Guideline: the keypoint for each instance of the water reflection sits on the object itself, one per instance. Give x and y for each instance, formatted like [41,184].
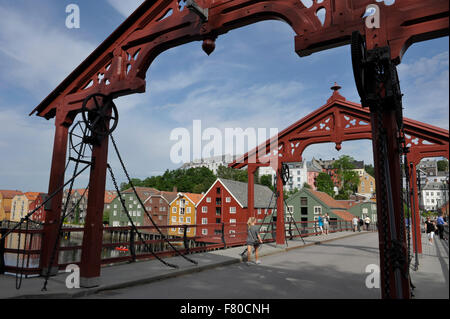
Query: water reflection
[74,239]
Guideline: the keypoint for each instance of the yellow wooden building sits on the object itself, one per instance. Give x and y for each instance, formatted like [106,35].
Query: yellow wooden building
[366,184]
[6,197]
[20,205]
[182,212]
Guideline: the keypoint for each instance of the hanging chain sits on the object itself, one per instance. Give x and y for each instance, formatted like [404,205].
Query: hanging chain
[122,201]
[143,206]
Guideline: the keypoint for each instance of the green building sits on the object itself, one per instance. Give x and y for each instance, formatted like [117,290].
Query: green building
[364,209]
[307,205]
[117,215]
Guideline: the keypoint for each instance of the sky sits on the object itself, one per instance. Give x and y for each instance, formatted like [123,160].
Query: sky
[253,79]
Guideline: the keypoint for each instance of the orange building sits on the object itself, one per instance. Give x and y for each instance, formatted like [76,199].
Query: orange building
[182,212]
[6,197]
[20,205]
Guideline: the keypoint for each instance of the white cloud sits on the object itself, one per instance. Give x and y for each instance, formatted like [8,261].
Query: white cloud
[38,55]
[127,7]
[425,84]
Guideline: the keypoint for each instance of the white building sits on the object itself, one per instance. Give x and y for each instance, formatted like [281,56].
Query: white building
[298,175]
[434,195]
[212,163]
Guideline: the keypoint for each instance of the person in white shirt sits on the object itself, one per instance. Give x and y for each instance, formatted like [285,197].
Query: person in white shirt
[367,221]
[355,223]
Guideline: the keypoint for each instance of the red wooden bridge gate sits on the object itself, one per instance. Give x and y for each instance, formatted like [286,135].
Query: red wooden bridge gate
[119,65]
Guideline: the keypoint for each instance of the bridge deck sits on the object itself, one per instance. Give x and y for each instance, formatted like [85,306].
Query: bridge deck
[334,269]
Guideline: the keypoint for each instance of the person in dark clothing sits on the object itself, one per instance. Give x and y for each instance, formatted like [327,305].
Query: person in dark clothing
[253,239]
[430,229]
[440,225]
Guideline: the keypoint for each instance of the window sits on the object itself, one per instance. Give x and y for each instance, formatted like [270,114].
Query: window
[228,199]
[174,209]
[259,211]
[232,221]
[218,220]
[204,209]
[317,210]
[180,230]
[303,201]
[204,232]
[138,213]
[181,219]
[218,190]
[174,219]
[107,206]
[188,220]
[232,210]
[160,217]
[204,221]
[208,199]
[188,210]
[218,201]
[115,213]
[218,211]
[181,210]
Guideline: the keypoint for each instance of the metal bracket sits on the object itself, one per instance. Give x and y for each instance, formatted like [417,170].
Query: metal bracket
[194,7]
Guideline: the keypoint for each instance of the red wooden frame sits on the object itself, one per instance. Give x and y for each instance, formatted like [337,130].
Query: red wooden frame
[337,121]
[119,65]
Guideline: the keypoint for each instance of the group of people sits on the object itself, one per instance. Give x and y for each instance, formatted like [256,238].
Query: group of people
[324,224]
[435,226]
[359,223]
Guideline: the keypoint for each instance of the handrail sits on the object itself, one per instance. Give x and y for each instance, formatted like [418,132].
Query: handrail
[220,236]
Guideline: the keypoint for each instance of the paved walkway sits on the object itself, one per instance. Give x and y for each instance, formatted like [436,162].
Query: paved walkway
[333,269]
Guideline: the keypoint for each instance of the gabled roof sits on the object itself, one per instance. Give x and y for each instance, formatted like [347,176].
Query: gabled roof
[238,190]
[32,195]
[9,194]
[109,196]
[343,214]
[192,197]
[143,192]
[327,199]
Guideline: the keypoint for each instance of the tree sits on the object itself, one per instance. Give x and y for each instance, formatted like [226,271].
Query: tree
[370,170]
[306,185]
[348,178]
[324,183]
[232,174]
[266,180]
[442,165]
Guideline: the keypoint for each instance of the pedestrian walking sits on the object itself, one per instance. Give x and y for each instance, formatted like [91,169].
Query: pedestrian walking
[355,223]
[253,239]
[367,222]
[360,223]
[320,220]
[440,225]
[430,229]
[326,223]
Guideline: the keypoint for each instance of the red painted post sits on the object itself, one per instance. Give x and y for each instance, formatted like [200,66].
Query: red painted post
[280,236]
[417,236]
[53,216]
[391,229]
[251,191]
[93,227]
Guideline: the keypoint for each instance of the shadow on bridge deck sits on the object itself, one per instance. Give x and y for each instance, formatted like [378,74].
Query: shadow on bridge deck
[147,271]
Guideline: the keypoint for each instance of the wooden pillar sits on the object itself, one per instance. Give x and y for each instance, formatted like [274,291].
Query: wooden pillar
[280,235]
[391,229]
[53,214]
[251,191]
[93,226]
[416,234]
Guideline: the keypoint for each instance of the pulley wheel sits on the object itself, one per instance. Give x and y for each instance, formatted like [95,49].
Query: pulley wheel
[285,173]
[359,54]
[78,137]
[101,113]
